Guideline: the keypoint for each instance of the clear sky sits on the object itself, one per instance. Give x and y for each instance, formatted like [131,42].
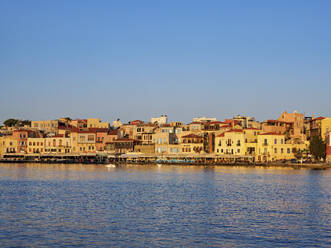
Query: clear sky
[137,59]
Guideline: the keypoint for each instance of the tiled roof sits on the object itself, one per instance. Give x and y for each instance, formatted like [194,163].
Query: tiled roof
[235,131]
[270,133]
[252,128]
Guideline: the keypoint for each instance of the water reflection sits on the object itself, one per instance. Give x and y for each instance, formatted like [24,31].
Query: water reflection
[167,206]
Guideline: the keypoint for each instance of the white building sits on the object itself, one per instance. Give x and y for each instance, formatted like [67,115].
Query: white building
[117,123]
[160,120]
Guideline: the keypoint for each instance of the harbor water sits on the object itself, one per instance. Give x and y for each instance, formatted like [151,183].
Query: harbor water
[76,205]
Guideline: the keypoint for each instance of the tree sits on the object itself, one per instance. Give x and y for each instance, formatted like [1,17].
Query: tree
[317,147]
[10,122]
[16,123]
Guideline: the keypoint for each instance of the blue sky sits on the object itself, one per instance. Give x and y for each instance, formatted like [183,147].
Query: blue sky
[137,59]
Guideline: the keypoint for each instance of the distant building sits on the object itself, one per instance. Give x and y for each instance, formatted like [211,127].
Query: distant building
[96,123]
[297,127]
[159,120]
[247,122]
[203,119]
[117,123]
[46,126]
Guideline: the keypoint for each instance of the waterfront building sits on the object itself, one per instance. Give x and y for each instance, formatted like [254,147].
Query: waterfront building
[164,136]
[251,135]
[57,144]
[328,147]
[230,142]
[143,132]
[124,145]
[35,145]
[8,144]
[325,127]
[83,140]
[273,147]
[101,134]
[192,143]
[145,148]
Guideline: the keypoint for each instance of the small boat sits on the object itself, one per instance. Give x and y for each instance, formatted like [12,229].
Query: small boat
[110,165]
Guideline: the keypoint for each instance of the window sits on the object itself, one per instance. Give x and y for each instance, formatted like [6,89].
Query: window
[282,150]
[275,150]
[90,137]
[288,150]
[221,150]
[238,151]
[265,142]
[218,150]
[238,143]
[281,141]
[275,141]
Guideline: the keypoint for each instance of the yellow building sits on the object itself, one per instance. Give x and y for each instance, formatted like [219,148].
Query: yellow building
[230,142]
[35,145]
[192,144]
[57,144]
[83,141]
[96,123]
[8,145]
[272,147]
[325,127]
[251,135]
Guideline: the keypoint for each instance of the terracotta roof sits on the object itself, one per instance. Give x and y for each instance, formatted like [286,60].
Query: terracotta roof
[192,136]
[270,133]
[225,126]
[235,131]
[221,135]
[319,118]
[272,120]
[56,136]
[98,130]
[81,130]
[252,128]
